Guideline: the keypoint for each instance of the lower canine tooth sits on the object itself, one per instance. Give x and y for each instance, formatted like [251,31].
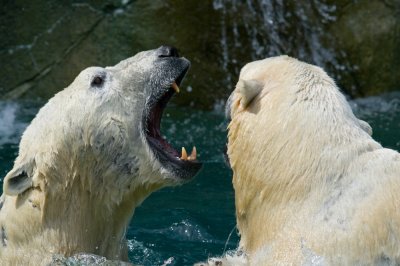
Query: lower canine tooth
[193,155]
[184,154]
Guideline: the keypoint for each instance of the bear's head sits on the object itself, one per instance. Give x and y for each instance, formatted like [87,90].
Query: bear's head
[279,106]
[291,131]
[95,151]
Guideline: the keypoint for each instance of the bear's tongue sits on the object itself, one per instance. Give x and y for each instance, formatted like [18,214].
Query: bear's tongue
[154,124]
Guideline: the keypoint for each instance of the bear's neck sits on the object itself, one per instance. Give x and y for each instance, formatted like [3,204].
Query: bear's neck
[87,225]
[276,173]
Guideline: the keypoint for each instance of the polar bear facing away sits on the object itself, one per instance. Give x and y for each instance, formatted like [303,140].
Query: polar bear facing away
[311,185]
[92,154]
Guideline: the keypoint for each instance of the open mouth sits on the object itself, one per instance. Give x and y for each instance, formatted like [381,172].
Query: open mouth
[181,163]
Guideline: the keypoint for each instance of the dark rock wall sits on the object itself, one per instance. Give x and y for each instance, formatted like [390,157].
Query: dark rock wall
[45,44]
[369,33]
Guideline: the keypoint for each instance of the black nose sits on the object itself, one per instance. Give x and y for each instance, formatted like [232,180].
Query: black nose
[168,51]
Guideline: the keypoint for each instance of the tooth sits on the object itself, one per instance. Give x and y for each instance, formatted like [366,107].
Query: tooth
[175,87]
[193,155]
[184,154]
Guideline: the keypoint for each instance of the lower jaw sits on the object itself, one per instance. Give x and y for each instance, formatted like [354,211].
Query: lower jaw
[180,170]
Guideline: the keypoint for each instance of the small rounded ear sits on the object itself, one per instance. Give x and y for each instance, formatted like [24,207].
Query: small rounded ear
[16,182]
[248,89]
[365,126]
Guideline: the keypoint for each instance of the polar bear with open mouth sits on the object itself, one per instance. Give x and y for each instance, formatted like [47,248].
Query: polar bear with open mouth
[91,155]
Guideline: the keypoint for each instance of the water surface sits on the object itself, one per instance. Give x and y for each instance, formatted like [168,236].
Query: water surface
[187,224]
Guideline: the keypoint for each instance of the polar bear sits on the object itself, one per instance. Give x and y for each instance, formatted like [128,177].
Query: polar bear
[91,155]
[311,185]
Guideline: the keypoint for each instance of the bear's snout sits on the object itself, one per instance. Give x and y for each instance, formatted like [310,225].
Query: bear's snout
[167,51]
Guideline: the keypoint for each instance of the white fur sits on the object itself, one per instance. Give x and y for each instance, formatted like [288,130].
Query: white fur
[311,185]
[83,167]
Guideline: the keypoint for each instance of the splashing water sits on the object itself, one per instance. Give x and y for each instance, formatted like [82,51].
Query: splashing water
[188,224]
[383,114]
[9,129]
[14,118]
[253,30]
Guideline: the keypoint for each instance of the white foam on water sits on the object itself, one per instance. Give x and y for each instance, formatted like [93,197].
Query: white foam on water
[144,255]
[10,128]
[386,104]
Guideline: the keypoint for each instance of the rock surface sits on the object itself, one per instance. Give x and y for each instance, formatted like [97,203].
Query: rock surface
[45,44]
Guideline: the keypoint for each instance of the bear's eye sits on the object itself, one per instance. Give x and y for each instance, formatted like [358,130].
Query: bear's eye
[97,81]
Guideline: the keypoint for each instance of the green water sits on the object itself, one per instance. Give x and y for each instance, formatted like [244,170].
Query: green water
[188,224]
